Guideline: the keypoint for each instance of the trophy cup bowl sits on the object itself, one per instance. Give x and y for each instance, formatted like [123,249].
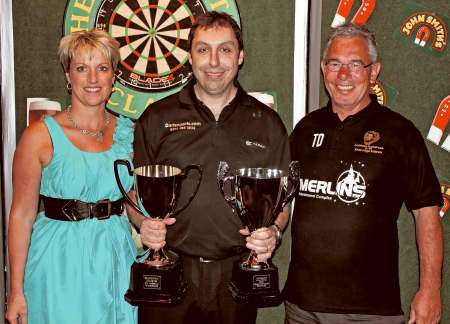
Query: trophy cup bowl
[159,278]
[257,195]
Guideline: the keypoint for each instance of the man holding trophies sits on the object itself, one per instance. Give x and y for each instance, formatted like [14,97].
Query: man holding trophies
[211,120]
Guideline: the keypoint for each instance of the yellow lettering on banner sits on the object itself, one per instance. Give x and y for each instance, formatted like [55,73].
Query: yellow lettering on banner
[411,23]
[82,5]
[436,23]
[376,89]
[220,3]
[119,92]
[413,20]
[127,107]
[406,31]
[78,20]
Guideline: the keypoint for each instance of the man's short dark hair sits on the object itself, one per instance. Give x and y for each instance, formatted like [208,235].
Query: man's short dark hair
[216,19]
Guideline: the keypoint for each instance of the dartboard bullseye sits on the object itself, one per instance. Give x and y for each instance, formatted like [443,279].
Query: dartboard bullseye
[153,38]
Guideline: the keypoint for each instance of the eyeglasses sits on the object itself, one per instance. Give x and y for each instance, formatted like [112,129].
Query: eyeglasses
[353,66]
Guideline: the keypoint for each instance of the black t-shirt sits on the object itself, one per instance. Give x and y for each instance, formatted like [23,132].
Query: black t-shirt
[179,130]
[355,176]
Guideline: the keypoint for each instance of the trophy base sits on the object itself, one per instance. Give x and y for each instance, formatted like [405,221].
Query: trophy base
[161,285]
[258,287]
[137,299]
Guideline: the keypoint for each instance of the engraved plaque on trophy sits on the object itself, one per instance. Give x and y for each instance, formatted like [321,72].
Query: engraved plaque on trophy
[159,278]
[257,195]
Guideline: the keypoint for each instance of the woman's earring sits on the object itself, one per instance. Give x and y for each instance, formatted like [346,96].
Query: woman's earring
[69,87]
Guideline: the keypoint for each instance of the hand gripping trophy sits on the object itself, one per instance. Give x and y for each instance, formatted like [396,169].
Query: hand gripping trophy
[159,279]
[257,195]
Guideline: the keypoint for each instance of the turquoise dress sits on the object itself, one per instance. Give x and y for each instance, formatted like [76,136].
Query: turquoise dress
[78,272]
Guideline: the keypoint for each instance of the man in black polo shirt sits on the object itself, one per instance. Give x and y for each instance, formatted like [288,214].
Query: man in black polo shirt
[360,162]
[212,119]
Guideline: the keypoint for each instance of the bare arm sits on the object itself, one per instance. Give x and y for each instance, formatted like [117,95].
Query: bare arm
[283,218]
[135,217]
[33,151]
[426,305]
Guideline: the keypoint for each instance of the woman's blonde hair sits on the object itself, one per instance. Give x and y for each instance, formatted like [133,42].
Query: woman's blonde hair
[94,38]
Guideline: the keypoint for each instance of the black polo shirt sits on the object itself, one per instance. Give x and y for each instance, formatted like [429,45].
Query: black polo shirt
[355,176]
[179,130]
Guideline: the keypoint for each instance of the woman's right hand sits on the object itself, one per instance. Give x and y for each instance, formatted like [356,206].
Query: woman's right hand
[153,232]
[17,308]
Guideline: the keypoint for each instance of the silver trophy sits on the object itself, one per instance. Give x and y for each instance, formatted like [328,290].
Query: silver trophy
[159,279]
[257,195]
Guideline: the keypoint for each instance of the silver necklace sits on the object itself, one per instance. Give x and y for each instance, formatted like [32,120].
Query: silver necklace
[97,134]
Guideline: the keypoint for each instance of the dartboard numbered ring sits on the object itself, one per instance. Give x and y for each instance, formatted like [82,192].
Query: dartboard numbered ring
[153,37]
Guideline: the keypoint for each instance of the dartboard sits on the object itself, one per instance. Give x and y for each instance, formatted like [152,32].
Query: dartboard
[153,37]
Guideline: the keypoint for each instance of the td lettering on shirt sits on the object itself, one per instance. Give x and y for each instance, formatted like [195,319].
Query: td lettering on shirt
[318,139]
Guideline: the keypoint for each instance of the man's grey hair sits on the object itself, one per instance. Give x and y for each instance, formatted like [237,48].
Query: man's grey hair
[351,30]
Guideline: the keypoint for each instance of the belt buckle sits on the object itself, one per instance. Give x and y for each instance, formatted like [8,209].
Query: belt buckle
[203,260]
[100,204]
[70,211]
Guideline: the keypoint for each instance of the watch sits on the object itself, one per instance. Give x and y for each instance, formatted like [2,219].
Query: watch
[278,233]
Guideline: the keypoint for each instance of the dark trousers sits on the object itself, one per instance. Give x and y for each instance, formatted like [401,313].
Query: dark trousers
[296,315]
[207,300]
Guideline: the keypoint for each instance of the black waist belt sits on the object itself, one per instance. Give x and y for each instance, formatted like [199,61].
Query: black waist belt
[236,254]
[75,210]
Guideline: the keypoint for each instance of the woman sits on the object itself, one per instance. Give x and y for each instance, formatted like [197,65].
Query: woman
[71,262]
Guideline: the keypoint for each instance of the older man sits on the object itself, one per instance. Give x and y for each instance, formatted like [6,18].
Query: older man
[360,163]
[226,124]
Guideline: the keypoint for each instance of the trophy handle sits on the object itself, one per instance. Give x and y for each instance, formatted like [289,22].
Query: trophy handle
[222,179]
[119,183]
[184,173]
[294,180]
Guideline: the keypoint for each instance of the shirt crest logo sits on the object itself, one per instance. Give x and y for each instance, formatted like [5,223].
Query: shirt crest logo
[255,144]
[370,138]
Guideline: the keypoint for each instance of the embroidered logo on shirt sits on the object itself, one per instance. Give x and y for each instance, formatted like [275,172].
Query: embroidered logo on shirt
[370,137]
[179,126]
[318,139]
[251,143]
[349,187]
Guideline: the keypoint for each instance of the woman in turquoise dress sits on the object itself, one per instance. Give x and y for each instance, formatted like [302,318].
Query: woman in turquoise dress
[71,263]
